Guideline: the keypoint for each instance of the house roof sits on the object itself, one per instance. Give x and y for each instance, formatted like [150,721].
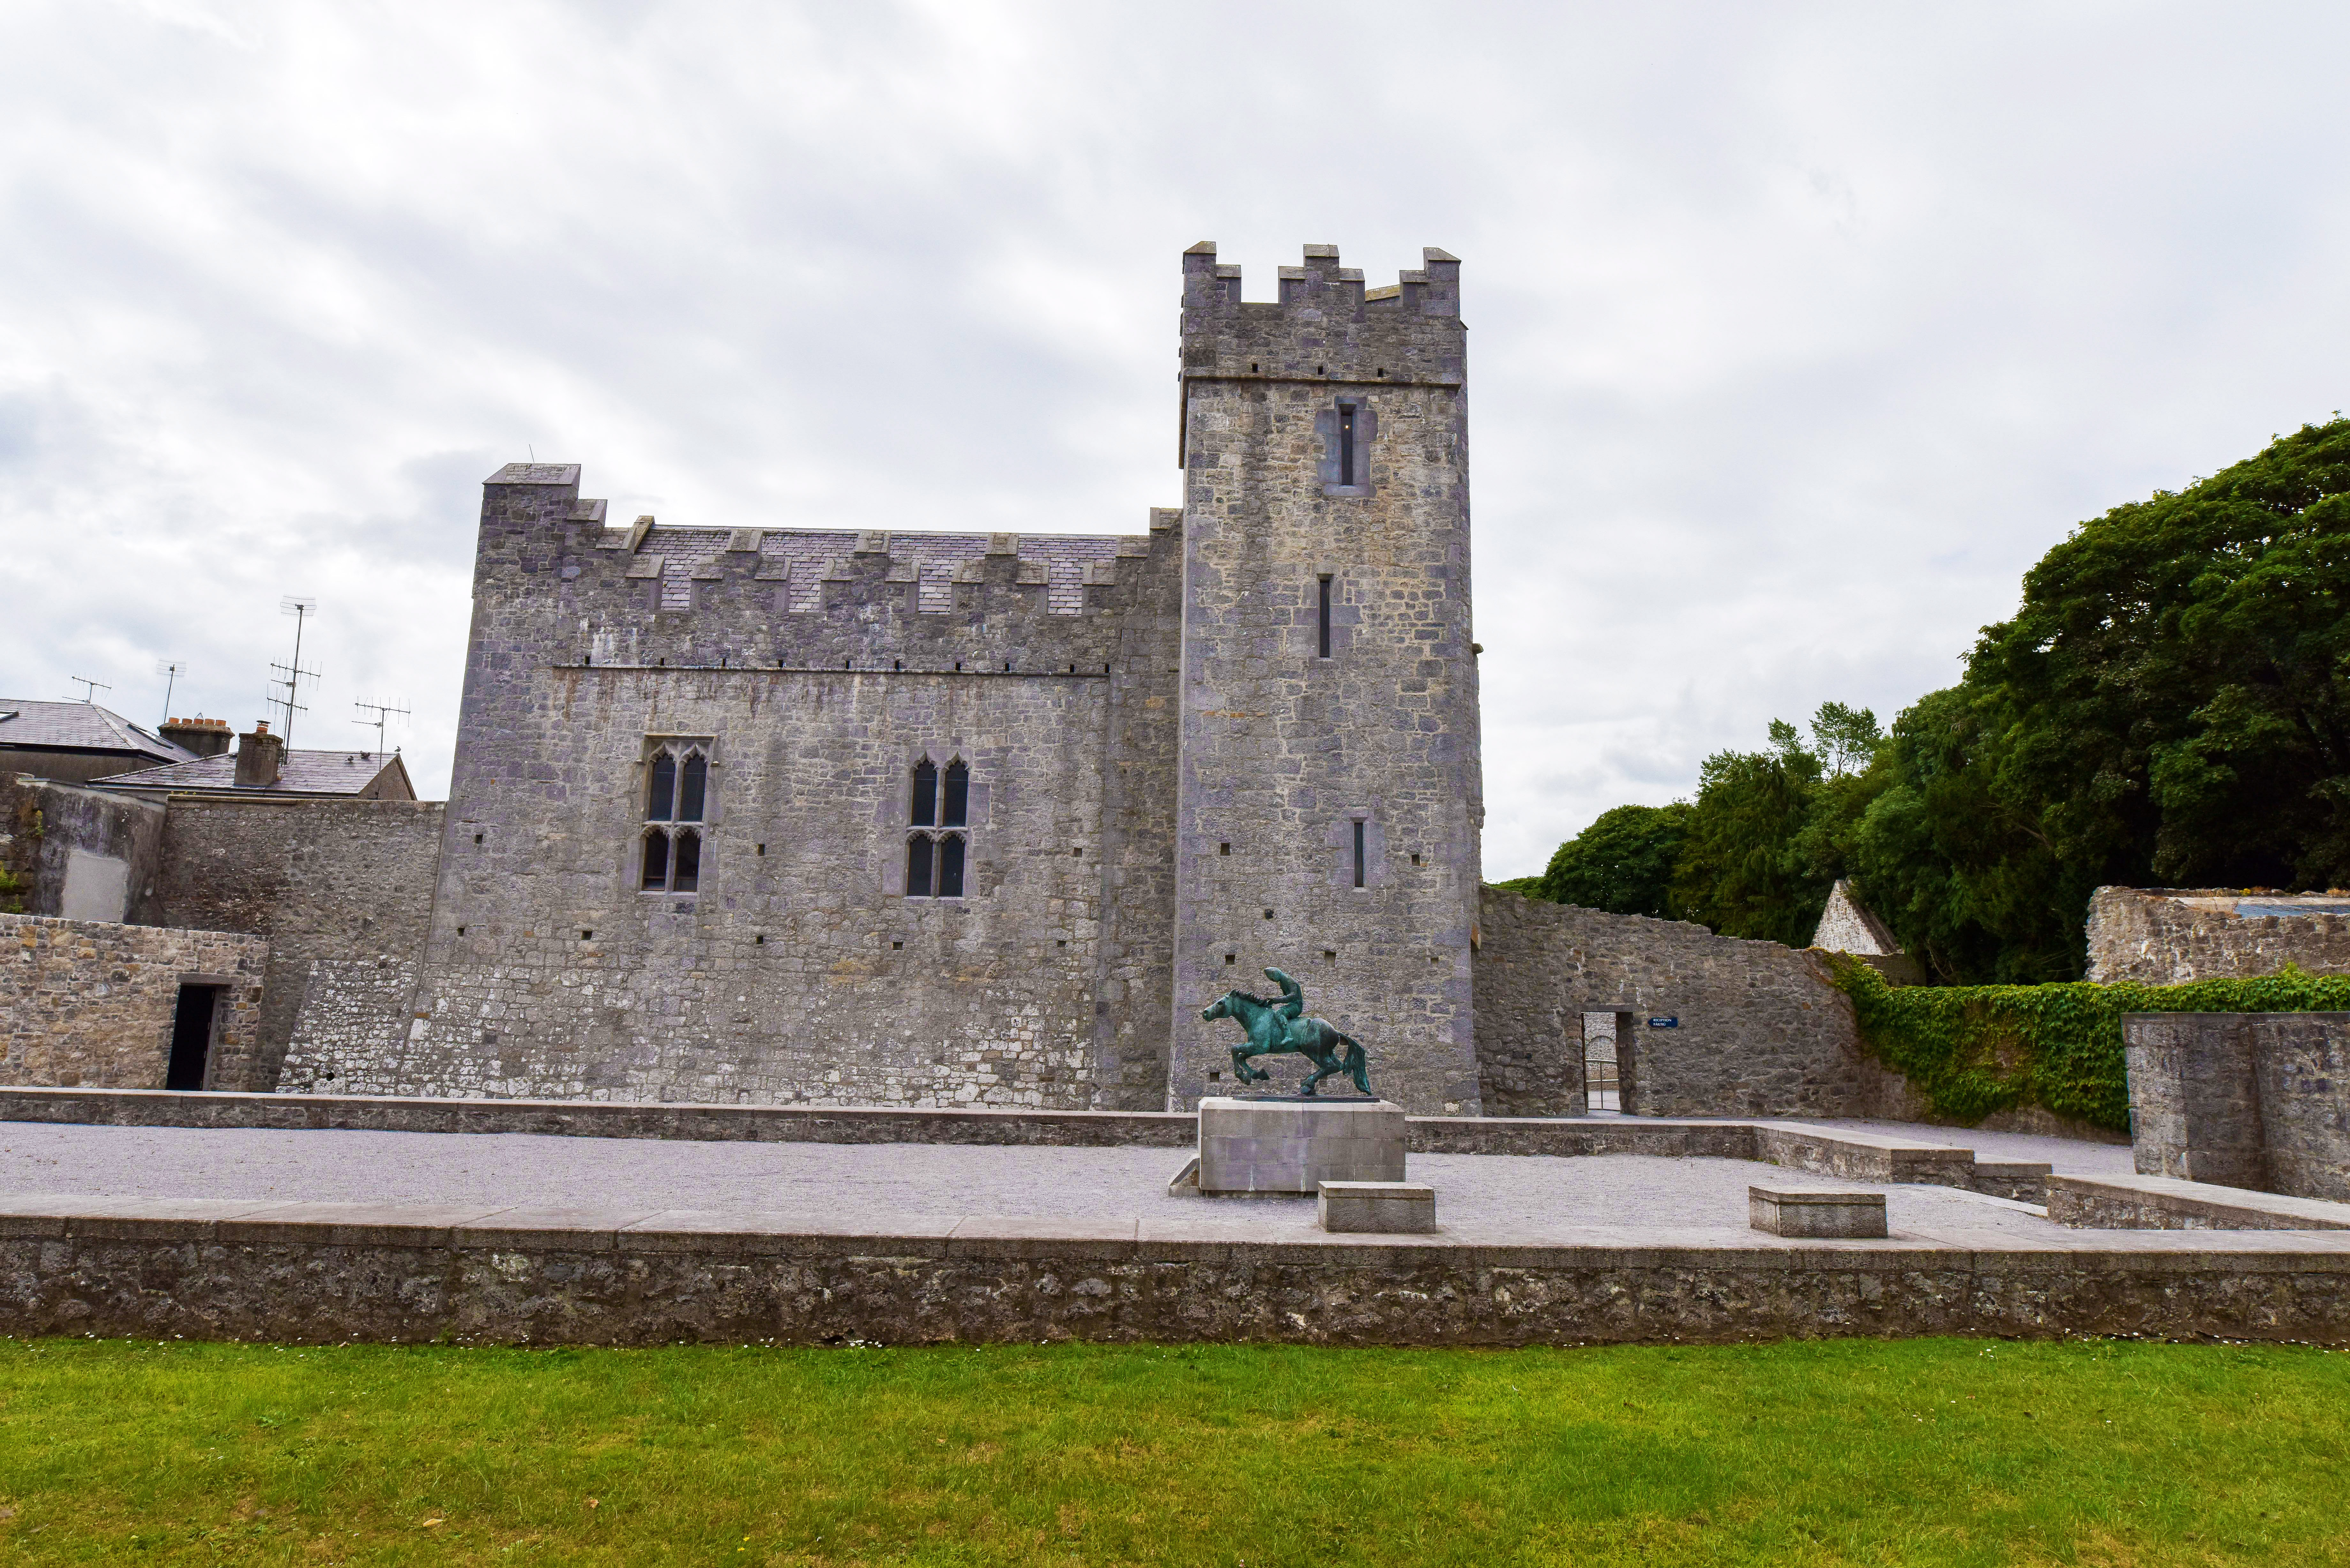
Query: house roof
[346,774]
[78,727]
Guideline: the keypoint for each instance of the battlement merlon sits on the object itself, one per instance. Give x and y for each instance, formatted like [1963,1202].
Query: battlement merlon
[1326,325]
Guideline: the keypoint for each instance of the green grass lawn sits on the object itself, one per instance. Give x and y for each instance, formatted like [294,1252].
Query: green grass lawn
[1851,1451]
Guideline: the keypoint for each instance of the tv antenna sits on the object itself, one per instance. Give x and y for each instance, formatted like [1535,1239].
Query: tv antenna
[89,689]
[301,607]
[171,670]
[383,712]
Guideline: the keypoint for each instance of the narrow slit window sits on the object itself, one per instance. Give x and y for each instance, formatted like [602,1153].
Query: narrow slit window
[692,783]
[1358,854]
[687,877]
[917,865]
[656,870]
[926,796]
[1347,443]
[1324,618]
[661,794]
[958,801]
[950,866]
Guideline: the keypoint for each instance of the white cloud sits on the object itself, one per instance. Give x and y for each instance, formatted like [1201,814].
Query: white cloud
[1797,332]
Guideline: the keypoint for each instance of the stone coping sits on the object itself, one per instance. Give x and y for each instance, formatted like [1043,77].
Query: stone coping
[2168,1203]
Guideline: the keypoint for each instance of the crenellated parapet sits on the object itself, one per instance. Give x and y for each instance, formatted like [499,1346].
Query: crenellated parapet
[1326,325]
[913,600]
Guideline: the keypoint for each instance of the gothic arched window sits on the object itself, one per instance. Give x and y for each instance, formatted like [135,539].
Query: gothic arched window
[677,792]
[936,861]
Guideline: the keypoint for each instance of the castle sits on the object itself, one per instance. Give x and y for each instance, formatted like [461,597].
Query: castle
[774,816]
[765,813]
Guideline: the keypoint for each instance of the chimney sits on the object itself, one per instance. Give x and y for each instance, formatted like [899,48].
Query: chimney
[205,737]
[258,757]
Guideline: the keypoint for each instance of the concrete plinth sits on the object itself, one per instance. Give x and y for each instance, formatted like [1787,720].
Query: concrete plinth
[1377,1208]
[1291,1147]
[1781,1211]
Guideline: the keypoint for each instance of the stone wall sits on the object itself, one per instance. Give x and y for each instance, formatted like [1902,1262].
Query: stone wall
[1288,755]
[799,971]
[2256,1100]
[331,1274]
[79,854]
[91,1002]
[353,1023]
[2172,936]
[1759,1031]
[339,880]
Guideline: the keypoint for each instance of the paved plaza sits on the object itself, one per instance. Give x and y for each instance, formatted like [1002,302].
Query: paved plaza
[842,1186]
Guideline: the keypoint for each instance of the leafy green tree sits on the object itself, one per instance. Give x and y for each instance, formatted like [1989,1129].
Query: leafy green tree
[1765,838]
[1623,863]
[2170,705]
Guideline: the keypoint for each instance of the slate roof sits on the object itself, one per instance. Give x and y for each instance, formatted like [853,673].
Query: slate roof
[82,727]
[800,556]
[302,772]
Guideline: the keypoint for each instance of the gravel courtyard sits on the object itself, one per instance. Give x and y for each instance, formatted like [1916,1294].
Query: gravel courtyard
[837,1185]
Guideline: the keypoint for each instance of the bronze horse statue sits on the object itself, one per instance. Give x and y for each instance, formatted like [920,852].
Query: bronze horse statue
[1274,1028]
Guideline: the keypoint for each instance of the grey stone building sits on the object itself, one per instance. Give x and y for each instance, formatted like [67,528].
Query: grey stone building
[747,813]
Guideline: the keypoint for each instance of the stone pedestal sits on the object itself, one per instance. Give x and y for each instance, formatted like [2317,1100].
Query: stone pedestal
[1291,1147]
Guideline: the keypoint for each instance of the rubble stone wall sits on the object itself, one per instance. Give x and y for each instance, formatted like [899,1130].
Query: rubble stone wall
[88,1002]
[339,880]
[1758,1030]
[2153,939]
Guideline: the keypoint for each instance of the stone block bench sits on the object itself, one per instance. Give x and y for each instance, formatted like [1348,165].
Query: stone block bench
[1787,1211]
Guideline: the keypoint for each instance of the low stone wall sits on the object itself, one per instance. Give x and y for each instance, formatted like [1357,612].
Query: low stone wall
[2173,936]
[320,1272]
[1862,1157]
[1760,1033]
[2162,1203]
[2255,1100]
[91,1002]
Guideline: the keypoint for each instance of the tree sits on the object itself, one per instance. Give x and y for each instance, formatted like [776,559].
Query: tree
[2169,705]
[1765,842]
[1622,862]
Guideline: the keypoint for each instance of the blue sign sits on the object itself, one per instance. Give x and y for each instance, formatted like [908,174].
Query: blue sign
[1664,1024]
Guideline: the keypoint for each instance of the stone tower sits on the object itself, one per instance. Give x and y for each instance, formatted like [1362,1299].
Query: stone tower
[1329,795]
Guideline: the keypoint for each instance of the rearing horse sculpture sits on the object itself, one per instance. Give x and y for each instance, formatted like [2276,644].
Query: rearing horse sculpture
[1274,1028]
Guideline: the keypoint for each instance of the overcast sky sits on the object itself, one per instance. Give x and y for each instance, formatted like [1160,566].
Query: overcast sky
[1797,332]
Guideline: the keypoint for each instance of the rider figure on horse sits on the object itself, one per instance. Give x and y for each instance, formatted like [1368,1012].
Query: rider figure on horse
[1277,1025]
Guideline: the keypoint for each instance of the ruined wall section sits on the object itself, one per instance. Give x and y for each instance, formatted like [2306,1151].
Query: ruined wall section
[1759,1031]
[340,880]
[1284,750]
[799,971]
[91,1003]
[2170,936]
[79,854]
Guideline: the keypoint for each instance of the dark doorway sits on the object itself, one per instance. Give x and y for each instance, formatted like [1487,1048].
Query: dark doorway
[191,1037]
